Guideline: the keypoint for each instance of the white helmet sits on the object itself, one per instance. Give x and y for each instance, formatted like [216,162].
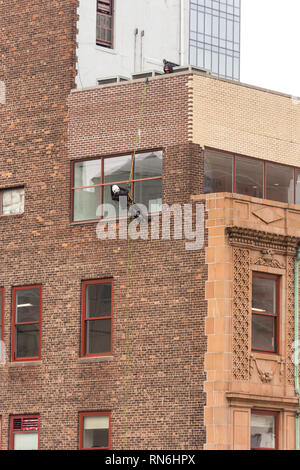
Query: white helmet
[115,189]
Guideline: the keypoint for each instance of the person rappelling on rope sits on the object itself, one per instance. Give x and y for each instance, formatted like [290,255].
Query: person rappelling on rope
[122,196]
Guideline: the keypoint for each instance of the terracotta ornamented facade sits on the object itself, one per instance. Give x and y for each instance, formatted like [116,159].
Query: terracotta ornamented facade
[240,314]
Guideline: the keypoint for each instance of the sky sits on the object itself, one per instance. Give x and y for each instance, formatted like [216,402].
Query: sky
[270,42]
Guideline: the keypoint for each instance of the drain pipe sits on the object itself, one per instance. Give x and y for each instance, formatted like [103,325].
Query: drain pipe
[296,346]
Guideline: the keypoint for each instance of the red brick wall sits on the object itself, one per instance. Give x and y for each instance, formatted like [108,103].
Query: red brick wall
[166,330]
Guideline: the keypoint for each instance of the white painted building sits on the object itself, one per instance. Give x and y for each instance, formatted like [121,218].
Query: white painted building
[144,33]
[123,37]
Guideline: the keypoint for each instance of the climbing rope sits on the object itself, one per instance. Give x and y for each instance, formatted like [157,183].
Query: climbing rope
[129,274]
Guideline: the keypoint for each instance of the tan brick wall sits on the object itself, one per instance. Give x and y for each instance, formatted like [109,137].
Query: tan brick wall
[245,120]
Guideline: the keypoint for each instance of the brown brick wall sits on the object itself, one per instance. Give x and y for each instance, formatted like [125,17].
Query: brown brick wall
[166,331]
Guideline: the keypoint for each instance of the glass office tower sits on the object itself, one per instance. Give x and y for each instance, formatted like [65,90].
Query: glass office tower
[215,36]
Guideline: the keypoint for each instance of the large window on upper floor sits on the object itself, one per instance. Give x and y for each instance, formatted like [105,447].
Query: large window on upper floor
[227,172]
[104,30]
[92,181]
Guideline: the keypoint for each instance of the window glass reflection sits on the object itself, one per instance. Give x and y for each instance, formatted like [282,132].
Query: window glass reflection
[218,172]
[249,177]
[280,183]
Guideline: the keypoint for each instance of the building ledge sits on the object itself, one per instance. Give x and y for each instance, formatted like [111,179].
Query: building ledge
[265,401]
[25,364]
[96,359]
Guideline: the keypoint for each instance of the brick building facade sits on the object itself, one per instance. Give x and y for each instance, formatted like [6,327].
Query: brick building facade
[180,372]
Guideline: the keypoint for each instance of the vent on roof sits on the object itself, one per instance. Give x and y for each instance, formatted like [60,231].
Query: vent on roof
[151,73]
[109,80]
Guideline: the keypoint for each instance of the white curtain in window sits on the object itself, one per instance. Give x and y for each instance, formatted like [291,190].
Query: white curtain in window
[26,441]
[96,422]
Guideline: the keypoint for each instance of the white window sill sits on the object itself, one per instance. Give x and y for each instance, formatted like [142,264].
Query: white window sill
[24,363]
[105,49]
[96,359]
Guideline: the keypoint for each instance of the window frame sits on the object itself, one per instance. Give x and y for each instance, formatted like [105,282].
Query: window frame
[276,277]
[12,431]
[102,185]
[265,163]
[82,415]
[2,315]
[267,413]
[2,325]
[33,358]
[83,316]
[109,12]
[10,188]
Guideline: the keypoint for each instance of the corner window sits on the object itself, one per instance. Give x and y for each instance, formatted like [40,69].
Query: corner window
[218,172]
[92,180]
[280,183]
[94,430]
[11,201]
[104,30]
[97,309]
[24,433]
[264,430]
[265,312]
[26,329]
[225,172]
[249,177]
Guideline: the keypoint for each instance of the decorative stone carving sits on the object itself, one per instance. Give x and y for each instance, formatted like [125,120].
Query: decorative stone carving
[290,319]
[241,316]
[267,259]
[269,215]
[266,376]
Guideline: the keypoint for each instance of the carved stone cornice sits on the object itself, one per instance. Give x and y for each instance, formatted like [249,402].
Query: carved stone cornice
[259,240]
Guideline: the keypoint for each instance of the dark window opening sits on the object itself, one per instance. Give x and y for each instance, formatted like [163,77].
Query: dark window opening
[26,331]
[265,312]
[104,29]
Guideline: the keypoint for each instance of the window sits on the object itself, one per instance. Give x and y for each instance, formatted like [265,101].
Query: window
[1,315]
[97,309]
[251,176]
[104,31]
[218,172]
[92,180]
[280,183]
[26,330]
[264,430]
[24,433]
[2,351]
[11,201]
[94,430]
[265,312]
